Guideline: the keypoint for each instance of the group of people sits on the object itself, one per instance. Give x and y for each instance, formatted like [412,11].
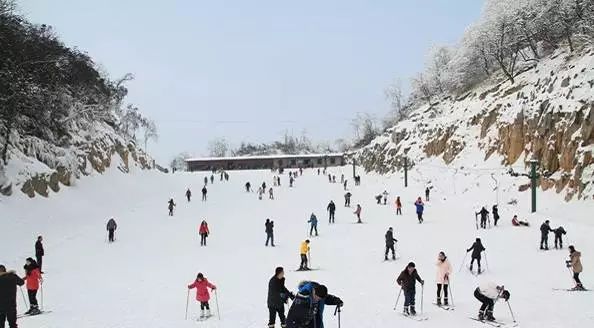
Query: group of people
[9,281]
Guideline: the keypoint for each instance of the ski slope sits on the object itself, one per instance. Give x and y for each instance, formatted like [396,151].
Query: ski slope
[140,280]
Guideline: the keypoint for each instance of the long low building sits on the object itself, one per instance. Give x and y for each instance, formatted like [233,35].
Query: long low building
[265,162]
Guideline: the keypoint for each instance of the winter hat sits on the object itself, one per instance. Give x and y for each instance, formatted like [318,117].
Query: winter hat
[321,291]
[411,265]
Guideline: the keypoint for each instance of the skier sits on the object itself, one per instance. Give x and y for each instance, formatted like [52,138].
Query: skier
[398,206]
[407,281]
[313,221]
[516,222]
[444,270]
[390,244]
[202,284]
[427,194]
[203,231]
[205,181]
[39,252]
[318,171]
[269,225]
[188,195]
[278,182]
[264,186]
[420,208]
[8,290]
[378,199]
[358,180]
[330,178]
[333,179]
[345,184]
[307,310]
[342,178]
[347,199]
[575,264]
[211,179]
[274,181]
[111,228]
[271,193]
[204,191]
[477,248]
[303,252]
[483,212]
[559,232]
[358,213]
[260,193]
[495,211]
[171,206]
[545,228]
[248,186]
[291,180]
[488,294]
[226,176]
[385,194]
[33,280]
[300,171]
[277,297]
[331,208]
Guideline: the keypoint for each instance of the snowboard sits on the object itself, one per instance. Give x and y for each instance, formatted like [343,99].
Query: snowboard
[31,315]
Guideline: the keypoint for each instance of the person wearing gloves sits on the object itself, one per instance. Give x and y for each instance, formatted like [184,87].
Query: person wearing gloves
[444,270]
[202,284]
[307,310]
[407,280]
[575,264]
[488,294]
[277,297]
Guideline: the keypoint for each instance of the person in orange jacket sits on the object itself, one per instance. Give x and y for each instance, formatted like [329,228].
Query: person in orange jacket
[202,284]
[398,206]
[33,281]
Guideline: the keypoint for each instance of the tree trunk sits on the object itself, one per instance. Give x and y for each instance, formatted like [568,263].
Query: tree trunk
[6,141]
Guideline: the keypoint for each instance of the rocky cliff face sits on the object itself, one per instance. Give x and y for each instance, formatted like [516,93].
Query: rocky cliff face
[547,115]
[37,167]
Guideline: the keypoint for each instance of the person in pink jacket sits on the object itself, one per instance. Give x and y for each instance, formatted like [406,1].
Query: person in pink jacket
[202,284]
[444,269]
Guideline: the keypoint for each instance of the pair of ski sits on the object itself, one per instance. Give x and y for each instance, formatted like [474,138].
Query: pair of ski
[490,323]
[204,318]
[445,307]
[307,269]
[572,290]
[24,315]
[415,317]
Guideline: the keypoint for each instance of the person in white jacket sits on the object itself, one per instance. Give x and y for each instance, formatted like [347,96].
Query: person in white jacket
[488,294]
[444,270]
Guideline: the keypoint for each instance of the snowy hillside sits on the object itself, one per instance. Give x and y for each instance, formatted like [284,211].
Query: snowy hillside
[547,114]
[140,280]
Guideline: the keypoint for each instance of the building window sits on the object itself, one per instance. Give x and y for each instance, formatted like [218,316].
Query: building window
[333,160]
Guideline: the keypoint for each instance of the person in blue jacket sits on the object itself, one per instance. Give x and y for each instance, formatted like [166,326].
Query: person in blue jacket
[307,310]
[313,221]
[420,208]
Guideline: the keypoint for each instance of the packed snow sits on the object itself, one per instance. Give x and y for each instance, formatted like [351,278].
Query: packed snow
[141,279]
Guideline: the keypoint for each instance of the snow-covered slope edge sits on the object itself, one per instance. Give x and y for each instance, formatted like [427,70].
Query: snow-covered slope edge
[37,167]
[547,114]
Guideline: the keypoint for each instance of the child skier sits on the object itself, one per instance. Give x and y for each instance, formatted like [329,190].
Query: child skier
[477,248]
[204,232]
[398,206]
[575,264]
[171,206]
[559,232]
[420,208]
[407,281]
[33,281]
[313,221]
[358,213]
[202,284]
[303,252]
[488,294]
[444,270]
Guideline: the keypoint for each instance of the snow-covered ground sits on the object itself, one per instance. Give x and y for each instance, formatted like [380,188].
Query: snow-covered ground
[140,280]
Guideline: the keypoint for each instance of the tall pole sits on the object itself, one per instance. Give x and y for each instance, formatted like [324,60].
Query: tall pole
[354,173]
[533,178]
[406,172]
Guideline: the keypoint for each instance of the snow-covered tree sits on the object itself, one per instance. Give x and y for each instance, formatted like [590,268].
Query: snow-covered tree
[218,147]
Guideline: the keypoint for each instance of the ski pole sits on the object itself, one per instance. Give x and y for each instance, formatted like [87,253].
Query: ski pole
[187,303]
[450,290]
[337,311]
[41,291]
[422,293]
[217,301]
[511,312]
[486,261]
[397,298]
[463,261]
[23,294]
[309,260]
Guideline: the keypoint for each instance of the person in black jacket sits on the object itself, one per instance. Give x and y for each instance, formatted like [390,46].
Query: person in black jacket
[483,212]
[39,252]
[8,289]
[407,280]
[269,225]
[111,228]
[307,310]
[331,210]
[495,211]
[545,228]
[559,232]
[170,206]
[390,244]
[277,297]
[477,248]
[204,191]
[189,194]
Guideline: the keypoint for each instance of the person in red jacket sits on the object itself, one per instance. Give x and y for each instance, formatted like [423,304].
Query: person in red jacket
[204,232]
[32,280]
[202,284]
